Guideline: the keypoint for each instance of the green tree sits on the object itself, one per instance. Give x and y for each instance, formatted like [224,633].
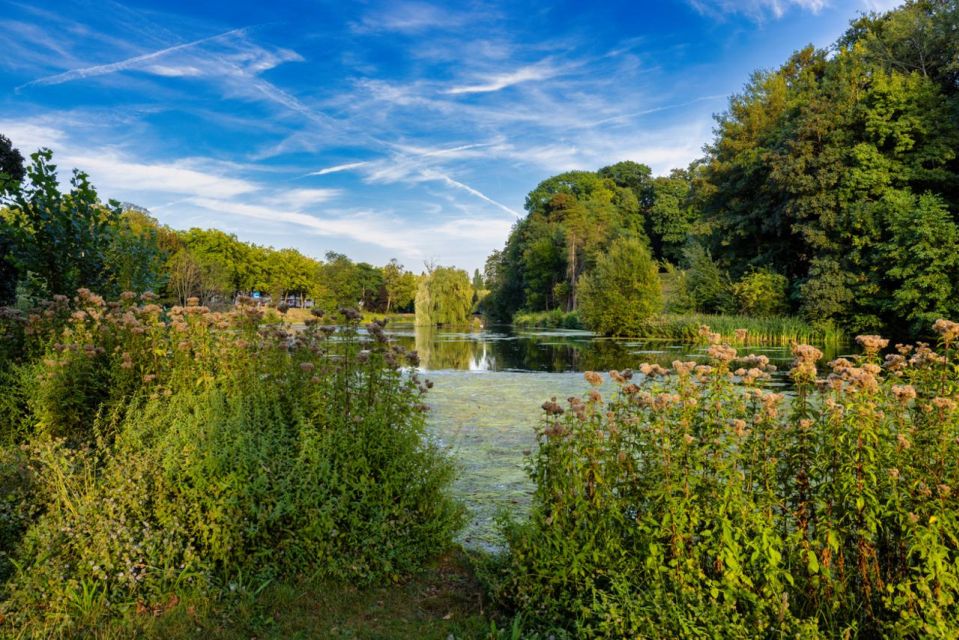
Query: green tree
[706,282]
[135,257]
[11,163]
[61,241]
[444,297]
[400,286]
[762,293]
[623,291]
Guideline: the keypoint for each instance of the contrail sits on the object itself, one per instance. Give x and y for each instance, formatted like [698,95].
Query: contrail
[431,174]
[103,69]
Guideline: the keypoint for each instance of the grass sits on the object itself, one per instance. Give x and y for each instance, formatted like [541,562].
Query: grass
[773,331]
[444,601]
[299,316]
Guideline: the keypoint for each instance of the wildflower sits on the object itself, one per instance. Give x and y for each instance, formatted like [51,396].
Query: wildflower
[709,336]
[148,378]
[805,424]
[193,301]
[944,490]
[593,378]
[688,439]
[552,408]
[594,396]
[894,473]
[872,345]
[721,353]
[742,335]
[413,358]
[363,356]
[621,457]
[904,392]
[683,368]
[739,427]
[948,330]
[307,367]
[350,314]
[616,376]
[944,404]
[903,441]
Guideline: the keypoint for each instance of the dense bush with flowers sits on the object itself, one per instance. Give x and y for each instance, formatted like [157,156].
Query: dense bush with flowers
[697,502]
[168,453]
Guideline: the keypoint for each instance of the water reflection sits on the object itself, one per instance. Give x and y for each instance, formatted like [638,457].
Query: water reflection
[549,350]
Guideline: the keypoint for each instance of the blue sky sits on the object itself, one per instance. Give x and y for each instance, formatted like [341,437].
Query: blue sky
[407,129]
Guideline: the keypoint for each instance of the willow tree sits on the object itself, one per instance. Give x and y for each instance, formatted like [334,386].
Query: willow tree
[444,296]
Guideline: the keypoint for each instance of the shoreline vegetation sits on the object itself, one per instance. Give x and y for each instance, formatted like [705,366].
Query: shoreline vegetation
[179,460]
[736,329]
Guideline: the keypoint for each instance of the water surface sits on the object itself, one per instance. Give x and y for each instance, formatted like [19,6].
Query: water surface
[489,385]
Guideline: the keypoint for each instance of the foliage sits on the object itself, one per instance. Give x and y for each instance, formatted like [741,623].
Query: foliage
[706,283]
[60,240]
[195,453]
[623,291]
[555,319]
[761,293]
[400,287]
[444,297]
[828,169]
[770,330]
[717,509]
[11,163]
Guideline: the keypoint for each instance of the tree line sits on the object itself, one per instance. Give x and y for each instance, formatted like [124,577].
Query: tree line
[54,242]
[830,190]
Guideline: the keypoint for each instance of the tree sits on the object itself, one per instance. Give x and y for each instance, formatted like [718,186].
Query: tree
[183,279]
[61,240]
[399,284]
[444,297]
[761,293]
[623,291]
[11,163]
[706,282]
[135,257]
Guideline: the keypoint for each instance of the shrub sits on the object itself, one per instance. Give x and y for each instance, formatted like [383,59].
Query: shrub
[716,508]
[621,291]
[762,293]
[206,453]
[554,319]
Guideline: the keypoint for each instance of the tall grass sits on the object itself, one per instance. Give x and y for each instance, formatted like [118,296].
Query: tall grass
[741,330]
[695,503]
[191,454]
[736,329]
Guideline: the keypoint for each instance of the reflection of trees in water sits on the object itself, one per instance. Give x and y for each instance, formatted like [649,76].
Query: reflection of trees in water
[439,349]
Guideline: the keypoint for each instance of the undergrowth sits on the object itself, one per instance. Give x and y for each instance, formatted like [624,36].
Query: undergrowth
[694,502]
[158,456]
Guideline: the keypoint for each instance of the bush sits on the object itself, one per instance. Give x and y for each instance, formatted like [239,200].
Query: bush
[716,508]
[622,291]
[762,293]
[207,453]
[554,319]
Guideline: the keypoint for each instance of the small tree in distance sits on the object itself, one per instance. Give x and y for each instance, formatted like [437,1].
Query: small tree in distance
[622,291]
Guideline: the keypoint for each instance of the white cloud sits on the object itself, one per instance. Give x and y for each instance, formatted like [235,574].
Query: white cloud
[411,17]
[134,62]
[497,82]
[757,8]
[113,172]
[304,198]
[337,168]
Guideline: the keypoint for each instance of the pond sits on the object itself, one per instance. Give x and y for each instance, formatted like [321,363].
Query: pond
[489,385]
